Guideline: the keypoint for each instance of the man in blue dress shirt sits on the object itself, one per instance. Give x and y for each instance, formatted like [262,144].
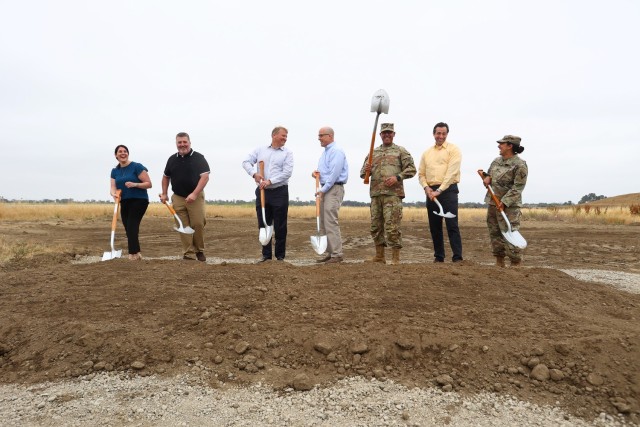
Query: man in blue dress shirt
[334,172]
[278,167]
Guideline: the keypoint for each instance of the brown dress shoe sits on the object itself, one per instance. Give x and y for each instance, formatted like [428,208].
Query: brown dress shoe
[324,258]
[334,259]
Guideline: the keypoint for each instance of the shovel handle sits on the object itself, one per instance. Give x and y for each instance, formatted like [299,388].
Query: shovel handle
[173,211]
[115,211]
[499,204]
[367,174]
[317,175]
[261,167]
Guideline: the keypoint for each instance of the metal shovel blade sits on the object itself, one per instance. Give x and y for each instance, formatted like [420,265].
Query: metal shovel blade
[441,213]
[265,232]
[380,102]
[513,236]
[180,228]
[111,255]
[184,230]
[319,244]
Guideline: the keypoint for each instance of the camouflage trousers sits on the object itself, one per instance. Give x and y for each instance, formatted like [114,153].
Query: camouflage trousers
[386,216]
[495,222]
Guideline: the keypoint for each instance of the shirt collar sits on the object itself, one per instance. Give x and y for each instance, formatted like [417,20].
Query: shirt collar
[188,155]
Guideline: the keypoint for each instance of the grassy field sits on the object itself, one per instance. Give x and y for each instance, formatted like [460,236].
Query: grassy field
[596,214]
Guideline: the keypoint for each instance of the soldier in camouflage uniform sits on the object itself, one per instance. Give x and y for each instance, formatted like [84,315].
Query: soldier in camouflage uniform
[508,177]
[391,165]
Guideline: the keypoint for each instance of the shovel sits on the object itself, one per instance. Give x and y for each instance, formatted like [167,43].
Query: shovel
[441,213]
[181,228]
[379,104]
[267,231]
[512,236]
[318,242]
[113,254]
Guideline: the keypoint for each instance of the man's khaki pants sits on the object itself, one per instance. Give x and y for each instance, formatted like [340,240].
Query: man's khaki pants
[192,215]
[331,202]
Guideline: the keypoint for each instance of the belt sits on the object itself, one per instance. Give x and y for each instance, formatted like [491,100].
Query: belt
[335,183]
[275,188]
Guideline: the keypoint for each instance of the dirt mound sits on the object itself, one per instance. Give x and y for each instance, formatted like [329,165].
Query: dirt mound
[621,200]
[534,332]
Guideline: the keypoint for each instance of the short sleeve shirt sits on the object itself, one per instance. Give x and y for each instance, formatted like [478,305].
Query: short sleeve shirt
[185,171]
[131,172]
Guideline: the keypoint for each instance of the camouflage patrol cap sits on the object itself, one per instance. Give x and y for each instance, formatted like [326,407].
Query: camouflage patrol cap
[386,127]
[511,139]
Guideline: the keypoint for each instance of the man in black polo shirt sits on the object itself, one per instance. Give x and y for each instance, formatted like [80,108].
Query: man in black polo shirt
[188,172]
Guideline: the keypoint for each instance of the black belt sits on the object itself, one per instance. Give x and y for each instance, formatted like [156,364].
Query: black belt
[336,183]
[275,188]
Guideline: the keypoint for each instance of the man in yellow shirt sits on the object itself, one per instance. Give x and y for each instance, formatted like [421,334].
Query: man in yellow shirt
[439,174]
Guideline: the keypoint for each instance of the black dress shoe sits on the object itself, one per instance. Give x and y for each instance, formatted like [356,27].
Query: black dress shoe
[438,260]
[200,256]
[263,260]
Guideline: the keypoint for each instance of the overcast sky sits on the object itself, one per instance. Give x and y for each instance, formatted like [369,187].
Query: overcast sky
[78,78]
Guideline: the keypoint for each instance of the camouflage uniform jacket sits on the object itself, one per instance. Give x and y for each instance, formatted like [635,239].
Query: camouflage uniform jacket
[389,161]
[508,178]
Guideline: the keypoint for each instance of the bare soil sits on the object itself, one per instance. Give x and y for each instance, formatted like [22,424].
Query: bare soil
[532,332]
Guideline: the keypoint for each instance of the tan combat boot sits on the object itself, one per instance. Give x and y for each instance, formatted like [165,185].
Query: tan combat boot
[516,263]
[379,255]
[500,261]
[395,256]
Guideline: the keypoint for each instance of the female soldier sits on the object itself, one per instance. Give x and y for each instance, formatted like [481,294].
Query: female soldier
[133,179]
[508,177]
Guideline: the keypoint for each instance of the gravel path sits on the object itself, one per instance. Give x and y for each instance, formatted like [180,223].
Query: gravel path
[629,282]
[111,400]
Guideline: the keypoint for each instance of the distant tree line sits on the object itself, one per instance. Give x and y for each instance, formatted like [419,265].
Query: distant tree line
[419,204]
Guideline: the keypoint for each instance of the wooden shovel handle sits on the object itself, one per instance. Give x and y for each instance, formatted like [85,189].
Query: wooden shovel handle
[115,210]
[493,195]
[317,175]
[261,167]
[367,174]
[173,211]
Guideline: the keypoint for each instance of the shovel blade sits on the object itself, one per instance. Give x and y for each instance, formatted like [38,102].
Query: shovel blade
[515,238]
[265,235]
[319,244]
[380,102]
[111,255]
[444,215]
[184,230]
[512,236]
[441,212]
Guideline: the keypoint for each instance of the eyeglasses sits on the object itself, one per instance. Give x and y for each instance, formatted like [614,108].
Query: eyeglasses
[320,135]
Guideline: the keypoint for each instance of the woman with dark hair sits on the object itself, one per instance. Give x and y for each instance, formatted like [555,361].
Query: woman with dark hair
[508,177]
[133,179]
